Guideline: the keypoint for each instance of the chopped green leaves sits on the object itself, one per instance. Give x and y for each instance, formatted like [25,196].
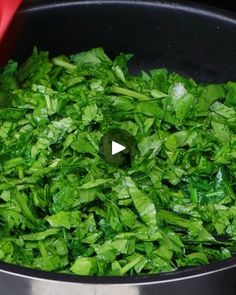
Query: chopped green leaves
[63,209]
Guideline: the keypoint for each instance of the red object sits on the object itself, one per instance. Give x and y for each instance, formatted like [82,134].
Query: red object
[8,9]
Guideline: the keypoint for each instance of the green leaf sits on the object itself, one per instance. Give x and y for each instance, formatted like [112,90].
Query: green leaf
[35,68]
[142,203]
[64,219]
[91,57]
[84,266]
[38,236]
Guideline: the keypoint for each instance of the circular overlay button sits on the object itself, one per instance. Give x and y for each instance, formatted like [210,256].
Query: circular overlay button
[118,147]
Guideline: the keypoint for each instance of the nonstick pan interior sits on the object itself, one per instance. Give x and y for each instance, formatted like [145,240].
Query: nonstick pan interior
[192,40]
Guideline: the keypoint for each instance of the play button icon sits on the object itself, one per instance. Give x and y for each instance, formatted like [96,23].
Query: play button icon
[118,148]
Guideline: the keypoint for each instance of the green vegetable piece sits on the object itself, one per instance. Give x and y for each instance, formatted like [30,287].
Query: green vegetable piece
[84,266]
[64,219]
[142,203]
[40,235]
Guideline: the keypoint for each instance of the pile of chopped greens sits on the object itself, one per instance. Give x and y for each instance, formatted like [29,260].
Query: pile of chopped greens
[63,209]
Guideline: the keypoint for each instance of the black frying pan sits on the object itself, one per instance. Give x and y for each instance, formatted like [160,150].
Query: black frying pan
[194,40]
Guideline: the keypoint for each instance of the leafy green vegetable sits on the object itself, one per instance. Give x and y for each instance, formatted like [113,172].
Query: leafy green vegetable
[63,209]
[142,203]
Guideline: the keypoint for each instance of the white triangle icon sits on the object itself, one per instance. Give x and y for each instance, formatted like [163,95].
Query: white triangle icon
[116,148]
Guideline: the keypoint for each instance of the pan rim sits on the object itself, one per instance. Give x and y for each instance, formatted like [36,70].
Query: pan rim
[180,5]
[151,279]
